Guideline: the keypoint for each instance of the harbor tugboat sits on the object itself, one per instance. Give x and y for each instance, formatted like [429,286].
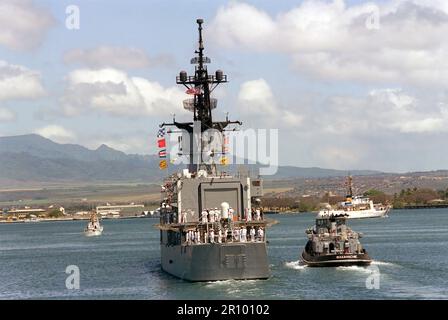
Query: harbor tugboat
[332,243]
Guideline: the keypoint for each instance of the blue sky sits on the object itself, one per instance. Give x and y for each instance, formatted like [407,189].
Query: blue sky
[342,94]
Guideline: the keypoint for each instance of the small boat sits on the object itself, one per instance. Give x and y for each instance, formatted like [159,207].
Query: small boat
[356,207]
[331,243]
[94,228]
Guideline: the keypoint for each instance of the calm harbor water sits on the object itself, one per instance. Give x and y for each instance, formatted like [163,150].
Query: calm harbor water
[410,249]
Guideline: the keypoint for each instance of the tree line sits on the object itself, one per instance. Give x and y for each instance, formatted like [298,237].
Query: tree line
[405,198]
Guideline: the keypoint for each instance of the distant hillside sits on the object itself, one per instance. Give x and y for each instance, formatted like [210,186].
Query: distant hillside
[37,159]
[32,158]
[286,172]
[38,146]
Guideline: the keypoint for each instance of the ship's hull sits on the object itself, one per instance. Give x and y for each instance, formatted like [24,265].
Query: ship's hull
[213,262]
[356,214]
[336,260]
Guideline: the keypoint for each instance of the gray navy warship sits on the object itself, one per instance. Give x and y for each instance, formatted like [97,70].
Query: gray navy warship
[332,243]
[211,222]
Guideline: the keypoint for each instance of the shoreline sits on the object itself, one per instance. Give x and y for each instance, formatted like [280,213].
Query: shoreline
[73,219]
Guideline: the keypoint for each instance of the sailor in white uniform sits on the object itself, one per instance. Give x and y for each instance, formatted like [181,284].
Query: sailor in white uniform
[260,234]
[183,216]
[212,236]
[258,214]
[219,236]
[231,212]
[204,216]
[252,234]
[212,216]
[236,234]
[205,237]
[217,214]
[243,235]
[187,237]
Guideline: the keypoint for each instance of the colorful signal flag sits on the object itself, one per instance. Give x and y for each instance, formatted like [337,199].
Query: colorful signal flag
[161,143]
[161,133]
[163,164]
[224,161]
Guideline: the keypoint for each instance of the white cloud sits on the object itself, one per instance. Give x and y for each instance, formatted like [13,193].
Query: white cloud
[396,110]
[18,82]
[378,98]
[116,57]
[256,97]
[338,156]
[23,25]
[6,115]
[241,24]
[56,133]
[257,101]
[346,132]
[329,40]
[115,92]
[291,119]
[391,110]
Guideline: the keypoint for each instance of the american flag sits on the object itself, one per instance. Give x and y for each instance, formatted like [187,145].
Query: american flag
[195,91]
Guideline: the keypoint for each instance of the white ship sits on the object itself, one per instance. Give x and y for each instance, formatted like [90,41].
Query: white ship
[356,207]
[94,228]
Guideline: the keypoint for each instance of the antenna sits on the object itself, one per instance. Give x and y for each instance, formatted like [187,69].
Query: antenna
[201,44]
[349,185]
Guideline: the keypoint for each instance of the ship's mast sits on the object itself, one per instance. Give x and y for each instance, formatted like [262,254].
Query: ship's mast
[200,85]
[349,187]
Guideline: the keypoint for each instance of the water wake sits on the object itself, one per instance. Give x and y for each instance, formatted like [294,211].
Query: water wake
[296,265]
[227,283]
[382,263]
[355,268]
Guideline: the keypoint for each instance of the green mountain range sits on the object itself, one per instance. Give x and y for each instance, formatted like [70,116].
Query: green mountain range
[33,158]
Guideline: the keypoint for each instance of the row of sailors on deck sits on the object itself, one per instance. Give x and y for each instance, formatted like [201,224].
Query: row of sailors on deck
[215,215]
[238,235]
